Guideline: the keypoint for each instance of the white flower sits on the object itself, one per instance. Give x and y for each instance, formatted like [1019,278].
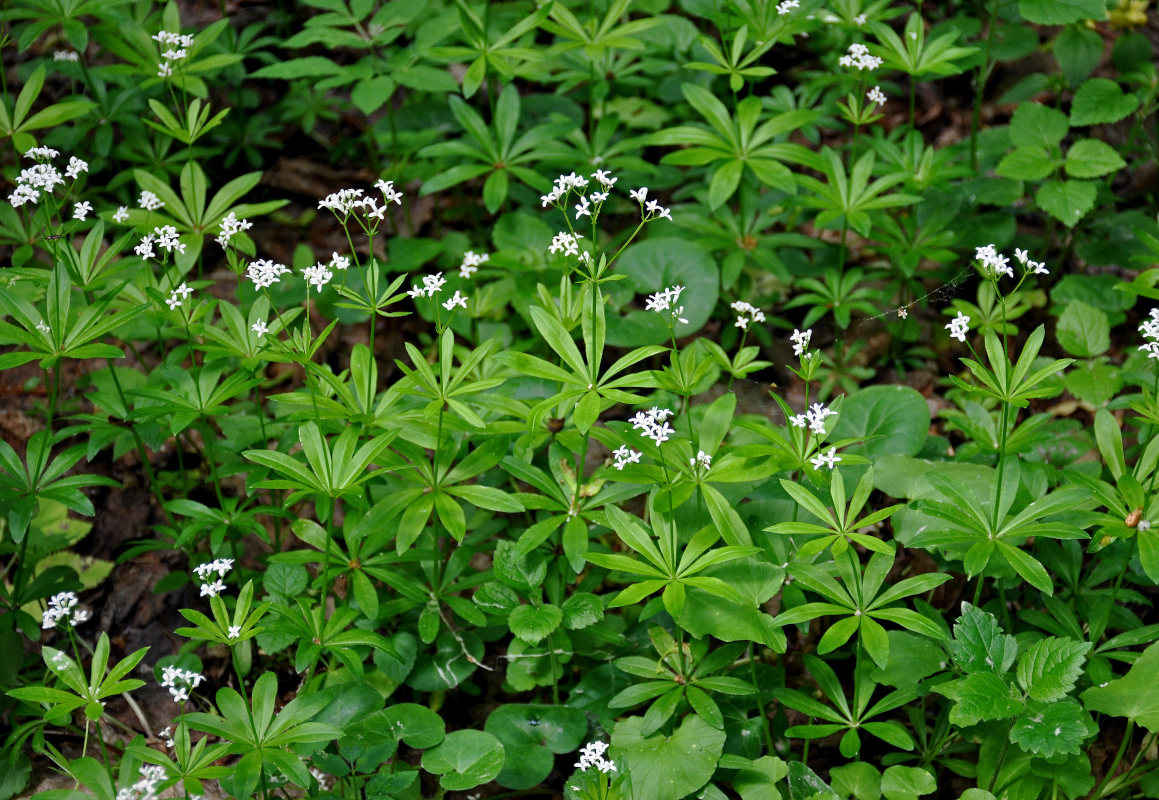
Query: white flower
[212,589]
[389,194]
[37,153]
[829,459]
[167,238]
[81,210]
[859,58]
[875,95]
[65,55]
[234,631]
[265,272]
[318,275]
[798,421]
[23,194]
[1151,349]
[433,283]
[145,247]
[1143,525]
[60,606]
[567,243]
[746,314]
[959,326]
[173,301]
[342,202]
[339,262]
[592,755]
[800,340]
[1021,255]
[164,70]
[549,199]
[471,262]
[817,414]
[75,167]
[260,328]
[605,179]
[42,326]
[639,195]
[582,208]
[652,424]
[121,214]
[625,456]
[179,682]
[456,300]
[785,7]
[666,301]
[149,201]
[702,458]
[994,261]
[230,225]
[652,209]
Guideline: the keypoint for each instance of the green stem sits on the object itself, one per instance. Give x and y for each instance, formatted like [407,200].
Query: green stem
[1001,757]
[983,75]
[1098,792]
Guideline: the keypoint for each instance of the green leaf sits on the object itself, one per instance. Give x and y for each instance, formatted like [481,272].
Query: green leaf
[418,726]
[1067,201]
[1135,695]
[1084,330]
[308,67]
[1030,163]
[530,735]
[1061,12]
[1050,730]
[1101,101]
[1092,158]
[653,265]
[979,643]
[1049,669]
[980,697]
[907,783]
[1036,125]
[894,420]
[533,623]
[1077,50]
[465,759]
[666,767]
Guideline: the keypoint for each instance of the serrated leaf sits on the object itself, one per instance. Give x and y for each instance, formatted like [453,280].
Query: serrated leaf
[1051,730]
[1067,201]
[1091,158]
[1036,125]
[534,623]
[1061,12]
[980,697]
[1101,101]
[979,645]
[1050,668]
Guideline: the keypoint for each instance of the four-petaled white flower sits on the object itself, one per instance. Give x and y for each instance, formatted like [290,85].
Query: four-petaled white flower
[121,214]
[458,299]
[829,459]
[265,273]
[993,261]
[747,313]
[75,167]
[652,424]
[625,456]
[339,262]
[800,341]
[666,301]
[149,201]
[583,208]
[81,210]
[639,195]
[234,631]
[817,414]
[786,6]
[566,243]
[318,275]
[260,328]
[653,210]
[230,225]
[60,606]
[877,96]
[592,755]
[702,459]
[471,262]
[959,326]
[859,58]
[179,682]
[389,193]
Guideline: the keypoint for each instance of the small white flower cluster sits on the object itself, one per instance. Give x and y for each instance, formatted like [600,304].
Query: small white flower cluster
[176,297]
[206,571]
[147,787]
[624,456]
[44,177]
[702,459]
[815,418]
[666,301]
[149,201]
[652,424]
[786,6]
[318,275]
[1150,330]
[1032,267]
[650,208]
[472,262]
[800,341]
[66,55]
[432,285]
[81,210]
[566,243]
[859,58]
[164,237]
[180,682]
[958,327]
[565,184]
[829,459]
[457,299]
[265,272]
[747,313]
[62,606]
[875,95]
[592,755]
[345,201]
[177,45]
[231,225]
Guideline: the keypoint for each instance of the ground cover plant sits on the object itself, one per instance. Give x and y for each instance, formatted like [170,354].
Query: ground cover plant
[633,399]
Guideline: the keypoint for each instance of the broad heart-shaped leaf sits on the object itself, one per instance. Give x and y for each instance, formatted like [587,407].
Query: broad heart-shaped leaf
[667,767]
[1061,12]
[1036,125]
[530,735]
[416,725]
[1084,330]
[1101,101]
[980,697]
[907,783]
[1068,201]
[1049,669]
[893,420]
[1048,730]
[465,760]
[1135,695]
[533,623]
[979,645]
[654,265]
[1091,158]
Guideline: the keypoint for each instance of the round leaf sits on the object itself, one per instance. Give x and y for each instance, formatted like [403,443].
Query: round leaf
[465,760]
[893,419]
[657,264]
